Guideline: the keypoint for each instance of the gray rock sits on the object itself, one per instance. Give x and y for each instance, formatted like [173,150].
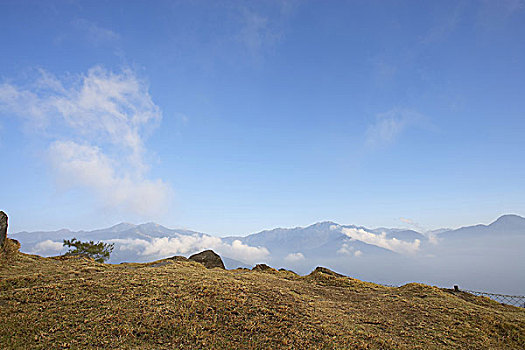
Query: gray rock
[3,228]
[208,258]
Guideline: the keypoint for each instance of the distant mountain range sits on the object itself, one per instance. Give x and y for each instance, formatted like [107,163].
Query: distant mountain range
[480,255]
[506,226]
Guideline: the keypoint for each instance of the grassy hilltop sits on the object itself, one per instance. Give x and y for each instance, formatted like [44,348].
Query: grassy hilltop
[52,303]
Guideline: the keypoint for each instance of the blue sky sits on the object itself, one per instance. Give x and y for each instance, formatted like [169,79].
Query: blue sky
[232,117]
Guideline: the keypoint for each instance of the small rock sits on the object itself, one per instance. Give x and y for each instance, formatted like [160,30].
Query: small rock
[209,259]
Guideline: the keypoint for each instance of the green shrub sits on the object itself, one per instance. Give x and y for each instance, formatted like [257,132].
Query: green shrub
[99,251]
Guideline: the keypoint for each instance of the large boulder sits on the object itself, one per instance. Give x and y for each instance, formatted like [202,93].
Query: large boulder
[3,229]
[208,258]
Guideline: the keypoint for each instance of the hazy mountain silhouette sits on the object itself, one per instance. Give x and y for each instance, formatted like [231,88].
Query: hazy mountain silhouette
[479,255]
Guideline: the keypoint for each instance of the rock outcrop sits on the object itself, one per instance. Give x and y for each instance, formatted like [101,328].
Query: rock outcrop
[3,229]
[321,270]
[177,258]
[263,268]
[208,258]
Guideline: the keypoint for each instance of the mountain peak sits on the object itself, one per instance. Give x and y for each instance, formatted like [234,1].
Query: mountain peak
[123,226]
[509,219]
[323,224]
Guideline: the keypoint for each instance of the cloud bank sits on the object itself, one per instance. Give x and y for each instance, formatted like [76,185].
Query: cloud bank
[168,246]
[96,125]
[380,240]
[48,247]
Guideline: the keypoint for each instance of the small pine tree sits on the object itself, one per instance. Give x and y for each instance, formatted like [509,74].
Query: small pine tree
[99,251]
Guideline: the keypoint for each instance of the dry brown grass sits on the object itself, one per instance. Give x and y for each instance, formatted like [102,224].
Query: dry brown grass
[50,303]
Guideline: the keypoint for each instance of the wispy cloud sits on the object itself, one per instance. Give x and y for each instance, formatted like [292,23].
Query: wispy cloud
[380,240]
[432,238]
[95,33]
[91,33]
[183,244]
[86,166]
[388,126]
[261,26]
[257,33]
[493,14]
[445,25]
[96,124]
[413,224]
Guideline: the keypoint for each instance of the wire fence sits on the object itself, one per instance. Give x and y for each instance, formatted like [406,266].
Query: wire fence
[515,300]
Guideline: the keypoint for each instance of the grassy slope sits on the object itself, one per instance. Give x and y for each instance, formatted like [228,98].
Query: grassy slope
[77,303]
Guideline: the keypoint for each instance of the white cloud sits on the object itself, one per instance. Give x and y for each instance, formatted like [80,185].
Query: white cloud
[108,106]
[382,241]
[243,252]
[345,249]
[294,257]
[388,126]
[349,250]
[86,166]
[103,107]
[26,104]
[96,124]
[48,247]
[168,246]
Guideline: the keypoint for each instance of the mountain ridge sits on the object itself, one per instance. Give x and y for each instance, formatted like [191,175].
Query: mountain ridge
[126,225]
[390,256]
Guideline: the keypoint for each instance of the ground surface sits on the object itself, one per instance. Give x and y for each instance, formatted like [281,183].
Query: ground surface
[49,303]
